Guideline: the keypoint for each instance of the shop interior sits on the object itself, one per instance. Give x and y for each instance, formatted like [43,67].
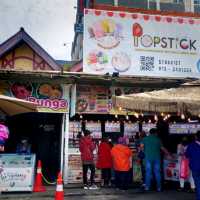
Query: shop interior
[42,131]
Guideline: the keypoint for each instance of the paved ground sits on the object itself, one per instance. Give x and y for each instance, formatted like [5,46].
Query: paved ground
[101,194]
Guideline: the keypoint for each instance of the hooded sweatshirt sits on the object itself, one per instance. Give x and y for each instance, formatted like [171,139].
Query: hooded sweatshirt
[121,155]
[86,148]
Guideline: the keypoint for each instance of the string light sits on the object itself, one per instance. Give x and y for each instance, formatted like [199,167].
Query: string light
[127,117]
[155,117]
[116,116]
[149,121]
[168,115]
[182,116]
[162,114]
[136,115]
[120,108]
[81,116]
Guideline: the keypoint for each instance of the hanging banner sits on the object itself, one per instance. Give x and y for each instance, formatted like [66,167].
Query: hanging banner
[49,97]
[140,44]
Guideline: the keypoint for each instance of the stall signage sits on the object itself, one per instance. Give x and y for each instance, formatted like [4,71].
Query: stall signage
[49,97]
[141,44]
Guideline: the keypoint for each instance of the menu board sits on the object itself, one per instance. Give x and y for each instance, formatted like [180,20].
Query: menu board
[92,99]
[184,128]
[95,128]
[146,127]
[112,127]
[74,128]
[75,173]
[130,129]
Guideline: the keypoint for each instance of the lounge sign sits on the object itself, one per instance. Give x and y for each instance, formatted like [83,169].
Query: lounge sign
[49,97]
[140,44]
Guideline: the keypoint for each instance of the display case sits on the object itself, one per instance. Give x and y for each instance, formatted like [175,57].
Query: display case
[16,172]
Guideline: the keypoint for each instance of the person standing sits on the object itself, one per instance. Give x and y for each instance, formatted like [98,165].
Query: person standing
[104,161]
[193,154]
[4,134]
[152,146]
[86,147]
[181,149]
[122,157]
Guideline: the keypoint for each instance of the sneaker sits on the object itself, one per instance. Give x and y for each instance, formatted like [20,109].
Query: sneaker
[85,187]
[93,187]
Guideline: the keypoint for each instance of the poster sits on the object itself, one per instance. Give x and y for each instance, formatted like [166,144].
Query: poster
[140,44]
[130,129]
[184,128]
[112,127]
[49,97]
[95,128]
[146,127]
[92,99]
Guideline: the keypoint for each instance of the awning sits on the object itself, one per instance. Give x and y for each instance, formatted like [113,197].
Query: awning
[176,100]
[12,106]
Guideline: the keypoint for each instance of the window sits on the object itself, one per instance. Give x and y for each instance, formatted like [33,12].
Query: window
[196,2]
[178,1]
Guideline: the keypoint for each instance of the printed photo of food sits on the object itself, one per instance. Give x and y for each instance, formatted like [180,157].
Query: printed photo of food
[50,91]
[121,62]
[107,33]
[97,60]
[21,90]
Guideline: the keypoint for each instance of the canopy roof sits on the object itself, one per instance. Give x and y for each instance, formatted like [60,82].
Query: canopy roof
[185,99]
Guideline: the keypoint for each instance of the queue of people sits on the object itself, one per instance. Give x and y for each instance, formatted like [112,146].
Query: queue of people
[118,158]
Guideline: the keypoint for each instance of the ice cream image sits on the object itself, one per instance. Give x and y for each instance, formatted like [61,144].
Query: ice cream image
[97,60]
[107,33]
[137,31]
[121,62]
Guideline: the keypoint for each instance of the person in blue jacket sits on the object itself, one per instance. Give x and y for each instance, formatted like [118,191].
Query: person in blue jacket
[193,154]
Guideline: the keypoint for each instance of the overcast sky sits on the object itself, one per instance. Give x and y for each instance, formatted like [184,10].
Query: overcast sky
[49,22]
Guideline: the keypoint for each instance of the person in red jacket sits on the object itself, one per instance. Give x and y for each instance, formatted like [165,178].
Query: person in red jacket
[122,157]
[86,147]
[104,161]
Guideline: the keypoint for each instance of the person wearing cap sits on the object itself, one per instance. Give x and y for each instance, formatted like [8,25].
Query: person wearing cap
[4,134]
[86,147]
[122,156]
[193,154]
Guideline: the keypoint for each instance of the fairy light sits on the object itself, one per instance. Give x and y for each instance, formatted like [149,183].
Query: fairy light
[155,117]
[149,121]
[81,116]
[182,116]
[120,108]
[142,114]
[136,115]
[162,114]
[127,117]
[165,118]
[116,116]
[168,115]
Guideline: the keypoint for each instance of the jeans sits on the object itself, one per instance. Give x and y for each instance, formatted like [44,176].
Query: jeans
[196,176]
[152,166]
[85,171]
[121,179]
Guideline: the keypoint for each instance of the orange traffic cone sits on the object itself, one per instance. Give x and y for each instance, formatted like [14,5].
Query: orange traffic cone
[38,185]
[59,195]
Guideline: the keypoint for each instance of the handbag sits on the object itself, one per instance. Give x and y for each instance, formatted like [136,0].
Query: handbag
[184,168]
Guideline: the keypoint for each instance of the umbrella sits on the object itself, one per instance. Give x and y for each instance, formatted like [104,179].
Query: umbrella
[182,100]
[12,106]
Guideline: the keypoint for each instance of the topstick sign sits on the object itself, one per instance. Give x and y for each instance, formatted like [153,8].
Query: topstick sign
[140,44]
